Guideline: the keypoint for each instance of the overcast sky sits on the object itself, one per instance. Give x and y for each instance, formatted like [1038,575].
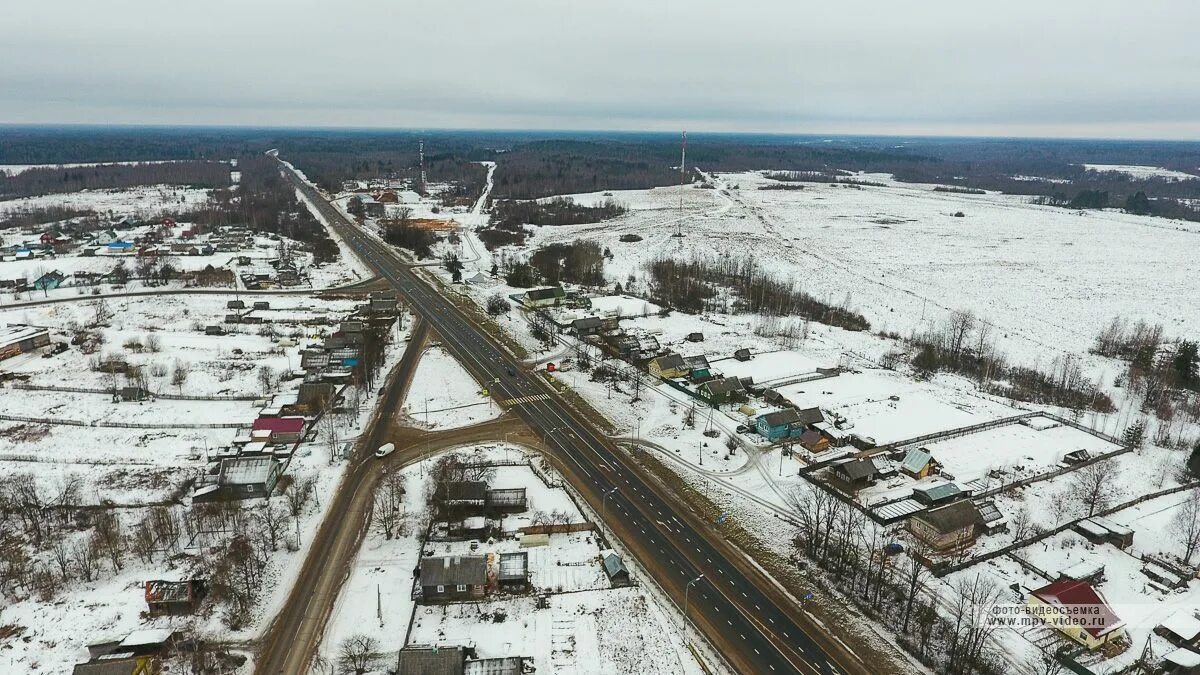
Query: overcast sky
[1094,68]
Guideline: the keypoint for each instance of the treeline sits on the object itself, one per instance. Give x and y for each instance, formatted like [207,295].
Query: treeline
[547,168]
[49,180]
[266,202]
[1163,374]
[850,550]
[40,215]
[964,345]
[508,214]
[740,286]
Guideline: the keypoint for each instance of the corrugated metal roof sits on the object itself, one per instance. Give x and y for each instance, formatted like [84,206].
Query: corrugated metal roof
[915,460]
[899,509]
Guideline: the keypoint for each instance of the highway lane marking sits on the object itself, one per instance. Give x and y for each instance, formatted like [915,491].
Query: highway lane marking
[461,326]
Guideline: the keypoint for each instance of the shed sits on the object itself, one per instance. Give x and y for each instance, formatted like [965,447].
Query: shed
[1084,570]
[514,570]
[742,354]
[174,597]
[937,493]
[917,463]
[1181,628]
[507,499]
[1182,661]
[856,472]
[614,567]
[534,540]
[695,337]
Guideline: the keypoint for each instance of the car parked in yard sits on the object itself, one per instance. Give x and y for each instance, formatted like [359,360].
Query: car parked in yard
[385,450]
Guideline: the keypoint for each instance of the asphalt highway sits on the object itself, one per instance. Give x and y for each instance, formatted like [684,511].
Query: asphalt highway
[755,626]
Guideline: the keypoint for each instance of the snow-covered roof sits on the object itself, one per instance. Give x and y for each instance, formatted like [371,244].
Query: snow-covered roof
[15,333]
[246,470]
[915,460]
[1083,569]
[1184,624]
[149,636]
[1184,658]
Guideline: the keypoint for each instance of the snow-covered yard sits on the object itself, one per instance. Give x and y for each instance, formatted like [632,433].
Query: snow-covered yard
[443,394]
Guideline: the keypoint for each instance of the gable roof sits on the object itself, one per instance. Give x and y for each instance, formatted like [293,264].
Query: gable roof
[938,491]
[545,293]
[279,424]
[915,460]
[669,362]
[860,467]
[810,415]
[725,385]
[951,517]
[613,565]
[1099,620]
[1184,624]
[431,661]
[454,570]
[781,417]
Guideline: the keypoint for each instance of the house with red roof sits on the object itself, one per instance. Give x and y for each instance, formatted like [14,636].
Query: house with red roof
[283,429]
[1079,611]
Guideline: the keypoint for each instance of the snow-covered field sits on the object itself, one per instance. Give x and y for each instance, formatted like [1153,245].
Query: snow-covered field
[140,202]
[443,394]
[1045,278]
[588,628]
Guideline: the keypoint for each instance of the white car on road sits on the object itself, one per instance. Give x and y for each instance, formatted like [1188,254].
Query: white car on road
[385,450]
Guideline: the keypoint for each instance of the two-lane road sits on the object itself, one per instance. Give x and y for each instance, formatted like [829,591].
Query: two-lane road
[741,611]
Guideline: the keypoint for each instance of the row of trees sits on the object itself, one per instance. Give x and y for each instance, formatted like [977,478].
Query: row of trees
[849,548]
[963,344]
[739,285]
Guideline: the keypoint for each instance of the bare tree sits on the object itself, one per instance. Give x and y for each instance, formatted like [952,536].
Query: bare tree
[266,379]
[970,622]
[912,576]
[959,327]
[272,520]
[1186,525]
[1020,525]
[1094,487]
[179,375]
[109,538]
[357,653]
[86,557]
[389,502]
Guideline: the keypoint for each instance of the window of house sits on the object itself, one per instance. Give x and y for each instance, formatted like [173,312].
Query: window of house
[462,588]
[441,589]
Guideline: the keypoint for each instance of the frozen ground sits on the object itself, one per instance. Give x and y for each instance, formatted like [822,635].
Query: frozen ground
[443,394]
[1140,172]
[1044,277]
[136,467]
[588,628]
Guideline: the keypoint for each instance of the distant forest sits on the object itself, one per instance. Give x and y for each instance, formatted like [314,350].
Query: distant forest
[541,164]
[49,180]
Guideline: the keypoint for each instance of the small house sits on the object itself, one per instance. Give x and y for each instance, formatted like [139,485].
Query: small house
[937,493]
[614,567]
[588,325]
[452,578]
[262,304]
[668,366]
[856,473]
[952,527]
[439,660]
[1079,611]
[544,297]
[214,330]
[723,390]
[240,478]
[1076,457]
[283,429]
[698,369]
[742,354]
[1182,661]
[49,281]
[463,495]
[918,463]
[787,423]
[695,337]
[174,597]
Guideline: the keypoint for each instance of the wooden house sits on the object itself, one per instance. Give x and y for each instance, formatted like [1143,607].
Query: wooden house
[452,578]
[1078,611]
[947,528]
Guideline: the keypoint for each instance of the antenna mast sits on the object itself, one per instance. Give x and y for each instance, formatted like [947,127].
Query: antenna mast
[682,174]
[421,153]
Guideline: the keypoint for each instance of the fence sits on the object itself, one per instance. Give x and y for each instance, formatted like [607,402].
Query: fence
[115,425]
[172,397]
[963,564]
[557,528]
